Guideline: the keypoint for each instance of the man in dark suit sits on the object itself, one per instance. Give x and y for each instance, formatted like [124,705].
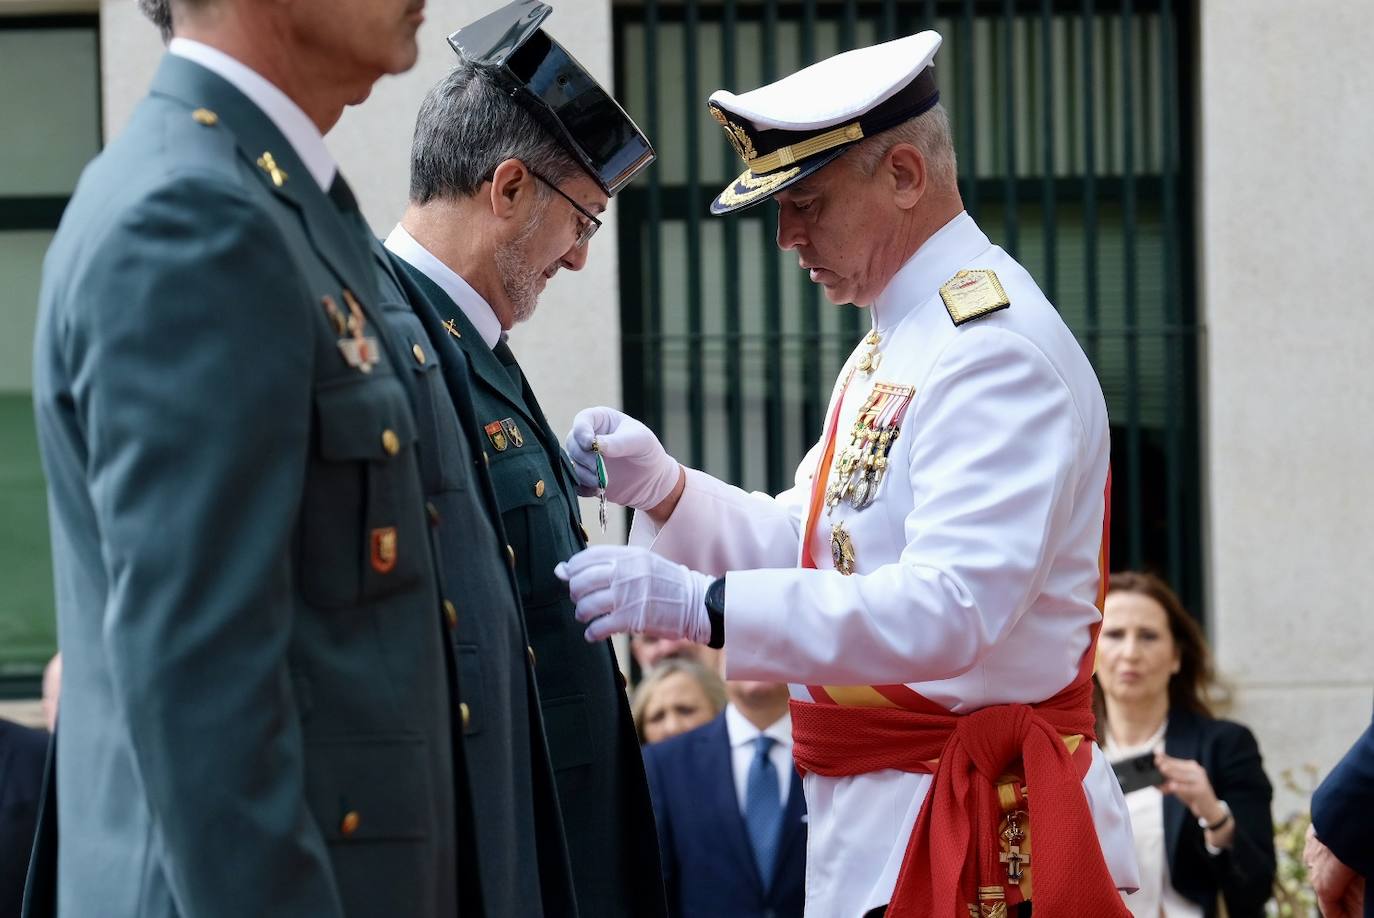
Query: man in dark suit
[22,751]
[256,716]
[1339,856]
[730,810]
[506,183]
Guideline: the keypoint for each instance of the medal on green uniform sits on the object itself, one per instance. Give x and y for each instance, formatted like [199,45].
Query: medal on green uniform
[600,484]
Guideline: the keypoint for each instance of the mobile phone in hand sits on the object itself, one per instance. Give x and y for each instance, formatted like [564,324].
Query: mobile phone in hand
[1140,771]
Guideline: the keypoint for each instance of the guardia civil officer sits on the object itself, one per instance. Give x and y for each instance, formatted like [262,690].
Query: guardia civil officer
[508,173]
[256,716]
[931,586]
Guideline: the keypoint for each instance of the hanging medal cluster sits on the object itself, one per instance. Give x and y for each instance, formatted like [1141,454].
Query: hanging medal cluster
[859,469]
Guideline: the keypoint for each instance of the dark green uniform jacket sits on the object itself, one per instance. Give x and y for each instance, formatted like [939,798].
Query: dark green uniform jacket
[518,827]
[600,774]
[257,712]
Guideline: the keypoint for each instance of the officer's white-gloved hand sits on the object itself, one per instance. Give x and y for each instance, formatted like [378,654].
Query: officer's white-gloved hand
[621,588]
[639,472]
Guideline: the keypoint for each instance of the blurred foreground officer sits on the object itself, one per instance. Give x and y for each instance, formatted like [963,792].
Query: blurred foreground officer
[256,716]
[515,153]
[946,535]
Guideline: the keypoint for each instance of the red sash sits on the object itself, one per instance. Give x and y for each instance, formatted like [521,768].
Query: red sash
[954,850]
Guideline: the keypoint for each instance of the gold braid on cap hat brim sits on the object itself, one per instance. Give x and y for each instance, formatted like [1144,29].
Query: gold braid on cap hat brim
[756,186]
[796,152]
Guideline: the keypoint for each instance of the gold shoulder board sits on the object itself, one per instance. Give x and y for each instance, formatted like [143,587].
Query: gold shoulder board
[972,294]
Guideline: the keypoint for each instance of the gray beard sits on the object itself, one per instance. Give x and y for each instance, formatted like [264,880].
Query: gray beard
[519,278]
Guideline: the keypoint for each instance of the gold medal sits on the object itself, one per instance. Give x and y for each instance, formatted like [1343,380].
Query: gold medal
[842,549]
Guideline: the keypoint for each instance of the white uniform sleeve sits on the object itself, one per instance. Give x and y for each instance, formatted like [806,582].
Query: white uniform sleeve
[718,526]
[994,460]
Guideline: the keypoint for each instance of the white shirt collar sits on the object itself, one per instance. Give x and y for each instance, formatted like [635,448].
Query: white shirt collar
[294,124]
[954,245]
[403,245]
[742,732]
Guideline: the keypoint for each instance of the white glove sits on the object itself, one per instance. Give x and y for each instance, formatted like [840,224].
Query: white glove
[639,473]
[621,588]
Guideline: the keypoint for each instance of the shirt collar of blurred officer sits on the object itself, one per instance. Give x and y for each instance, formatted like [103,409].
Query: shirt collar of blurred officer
[479,312]
[956,243]
[294,123]
[742,732]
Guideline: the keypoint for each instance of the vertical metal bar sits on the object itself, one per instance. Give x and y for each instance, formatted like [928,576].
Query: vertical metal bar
[967,93]
[629,240]
[1134,540]
[1049,227]
[653,314]
[1173,313]
[813,393]
[852,319]
[1007,59]
[1090,311]
[696,396]
[776,404]
[734,364]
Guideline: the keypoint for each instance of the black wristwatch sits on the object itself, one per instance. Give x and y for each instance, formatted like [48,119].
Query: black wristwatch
[715,613]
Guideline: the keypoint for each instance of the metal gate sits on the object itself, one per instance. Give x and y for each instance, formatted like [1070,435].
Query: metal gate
[1070,122]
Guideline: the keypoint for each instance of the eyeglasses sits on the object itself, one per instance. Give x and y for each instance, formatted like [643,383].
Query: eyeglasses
[589,228]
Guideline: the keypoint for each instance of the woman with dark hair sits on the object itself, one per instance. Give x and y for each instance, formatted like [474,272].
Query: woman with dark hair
[1201,818]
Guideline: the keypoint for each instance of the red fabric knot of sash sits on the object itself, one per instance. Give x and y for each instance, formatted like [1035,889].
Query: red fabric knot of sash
[955,848]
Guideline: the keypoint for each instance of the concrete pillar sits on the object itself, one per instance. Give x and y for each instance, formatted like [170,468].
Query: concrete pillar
[1286,211]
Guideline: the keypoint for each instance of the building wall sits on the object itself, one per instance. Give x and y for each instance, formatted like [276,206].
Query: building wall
[570,350]
[1286,231]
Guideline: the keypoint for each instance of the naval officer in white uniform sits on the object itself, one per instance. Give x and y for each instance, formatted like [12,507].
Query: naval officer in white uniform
[931,585]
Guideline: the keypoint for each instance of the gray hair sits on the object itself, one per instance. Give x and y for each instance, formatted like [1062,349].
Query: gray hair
[928,132]
[159,13]
[467,126]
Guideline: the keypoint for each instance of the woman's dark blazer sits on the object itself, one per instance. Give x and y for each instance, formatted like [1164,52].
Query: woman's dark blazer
[1244,875]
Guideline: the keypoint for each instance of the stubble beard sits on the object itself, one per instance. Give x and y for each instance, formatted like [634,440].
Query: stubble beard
[520,278]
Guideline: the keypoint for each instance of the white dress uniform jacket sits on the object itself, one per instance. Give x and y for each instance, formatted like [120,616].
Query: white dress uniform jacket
[976,566]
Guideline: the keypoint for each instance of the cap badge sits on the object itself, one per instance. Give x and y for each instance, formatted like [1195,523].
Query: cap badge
[972,294]
[738,136]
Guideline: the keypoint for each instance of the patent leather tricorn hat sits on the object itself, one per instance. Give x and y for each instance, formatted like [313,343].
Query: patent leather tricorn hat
[557,91]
